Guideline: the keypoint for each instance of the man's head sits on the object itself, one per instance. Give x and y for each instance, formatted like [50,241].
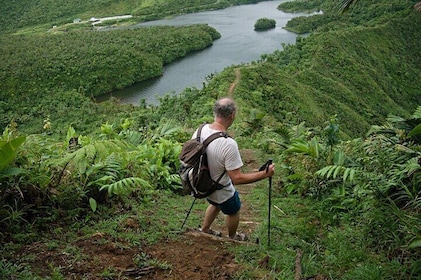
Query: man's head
[224,110]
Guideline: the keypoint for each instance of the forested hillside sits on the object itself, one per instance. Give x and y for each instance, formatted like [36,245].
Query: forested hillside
[339,112]
[360,72]
[28,16]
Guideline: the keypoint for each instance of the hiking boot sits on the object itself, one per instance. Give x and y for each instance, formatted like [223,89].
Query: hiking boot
[239,237]
[211,232]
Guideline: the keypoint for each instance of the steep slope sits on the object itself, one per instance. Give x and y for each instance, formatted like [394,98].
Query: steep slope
[359,74]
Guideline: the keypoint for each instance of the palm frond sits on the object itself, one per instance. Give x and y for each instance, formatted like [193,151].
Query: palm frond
[166,129]
[134,137]
[333,171]
[285,133]
[407,199]
[416,131]
[299,131]
[88,160]
[311,148]
[387,129]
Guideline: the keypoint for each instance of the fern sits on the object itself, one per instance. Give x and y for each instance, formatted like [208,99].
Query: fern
[91,153]
[125,186]
[417,113]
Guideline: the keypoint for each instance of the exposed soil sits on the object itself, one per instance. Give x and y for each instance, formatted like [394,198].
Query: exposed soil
[192,256]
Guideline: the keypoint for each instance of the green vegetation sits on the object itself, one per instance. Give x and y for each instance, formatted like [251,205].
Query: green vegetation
[42,75]
[338,112]
[264,24]
[302,6]
[95,62]
[29,16]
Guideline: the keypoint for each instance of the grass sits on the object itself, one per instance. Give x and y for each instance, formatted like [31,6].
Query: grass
[335,251]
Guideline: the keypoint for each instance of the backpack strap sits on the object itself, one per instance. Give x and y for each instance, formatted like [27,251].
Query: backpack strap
[199,131]
[211,137]
[208,141]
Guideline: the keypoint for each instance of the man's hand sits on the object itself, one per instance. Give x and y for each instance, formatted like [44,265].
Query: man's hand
[269,167]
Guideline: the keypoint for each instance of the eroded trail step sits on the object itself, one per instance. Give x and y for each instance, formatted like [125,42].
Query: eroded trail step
[197,233]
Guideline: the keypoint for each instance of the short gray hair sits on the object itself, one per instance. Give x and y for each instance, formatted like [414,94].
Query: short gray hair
[224,108]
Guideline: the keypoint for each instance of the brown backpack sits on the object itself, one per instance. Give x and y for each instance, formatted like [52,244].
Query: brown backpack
[194,168]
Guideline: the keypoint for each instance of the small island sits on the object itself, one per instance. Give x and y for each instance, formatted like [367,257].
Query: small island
[264,24]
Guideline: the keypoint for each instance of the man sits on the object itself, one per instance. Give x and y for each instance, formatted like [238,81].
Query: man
[224,157]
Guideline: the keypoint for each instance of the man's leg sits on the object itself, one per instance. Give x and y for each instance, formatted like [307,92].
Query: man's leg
[210,215]
[232,224]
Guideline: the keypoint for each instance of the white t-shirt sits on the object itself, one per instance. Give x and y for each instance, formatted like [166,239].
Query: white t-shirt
[223,154]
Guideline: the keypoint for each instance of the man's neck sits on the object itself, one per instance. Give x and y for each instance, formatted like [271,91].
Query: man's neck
[218,126]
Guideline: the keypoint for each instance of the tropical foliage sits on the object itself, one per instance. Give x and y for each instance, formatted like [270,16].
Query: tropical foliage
[338,112]
[82,61]
[43,75]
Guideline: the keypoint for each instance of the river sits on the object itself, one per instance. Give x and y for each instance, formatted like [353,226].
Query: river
[239,44]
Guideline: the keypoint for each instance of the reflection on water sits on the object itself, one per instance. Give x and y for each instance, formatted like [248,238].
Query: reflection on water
[239,44]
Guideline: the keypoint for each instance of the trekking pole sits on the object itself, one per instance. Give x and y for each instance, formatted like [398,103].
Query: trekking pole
[266,166]
[188,213]
[270,204]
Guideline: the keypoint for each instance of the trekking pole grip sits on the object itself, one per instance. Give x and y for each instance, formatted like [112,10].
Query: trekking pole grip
[266,166]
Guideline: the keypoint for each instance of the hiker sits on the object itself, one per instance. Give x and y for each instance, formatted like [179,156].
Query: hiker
[224,157]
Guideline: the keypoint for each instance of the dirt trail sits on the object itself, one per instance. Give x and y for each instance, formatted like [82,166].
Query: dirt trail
[197,256]
[193,257]
[235,83]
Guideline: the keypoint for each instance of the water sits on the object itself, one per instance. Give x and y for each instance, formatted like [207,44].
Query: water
[239,44]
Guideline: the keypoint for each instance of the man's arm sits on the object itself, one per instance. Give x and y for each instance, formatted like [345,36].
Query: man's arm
[238,177]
